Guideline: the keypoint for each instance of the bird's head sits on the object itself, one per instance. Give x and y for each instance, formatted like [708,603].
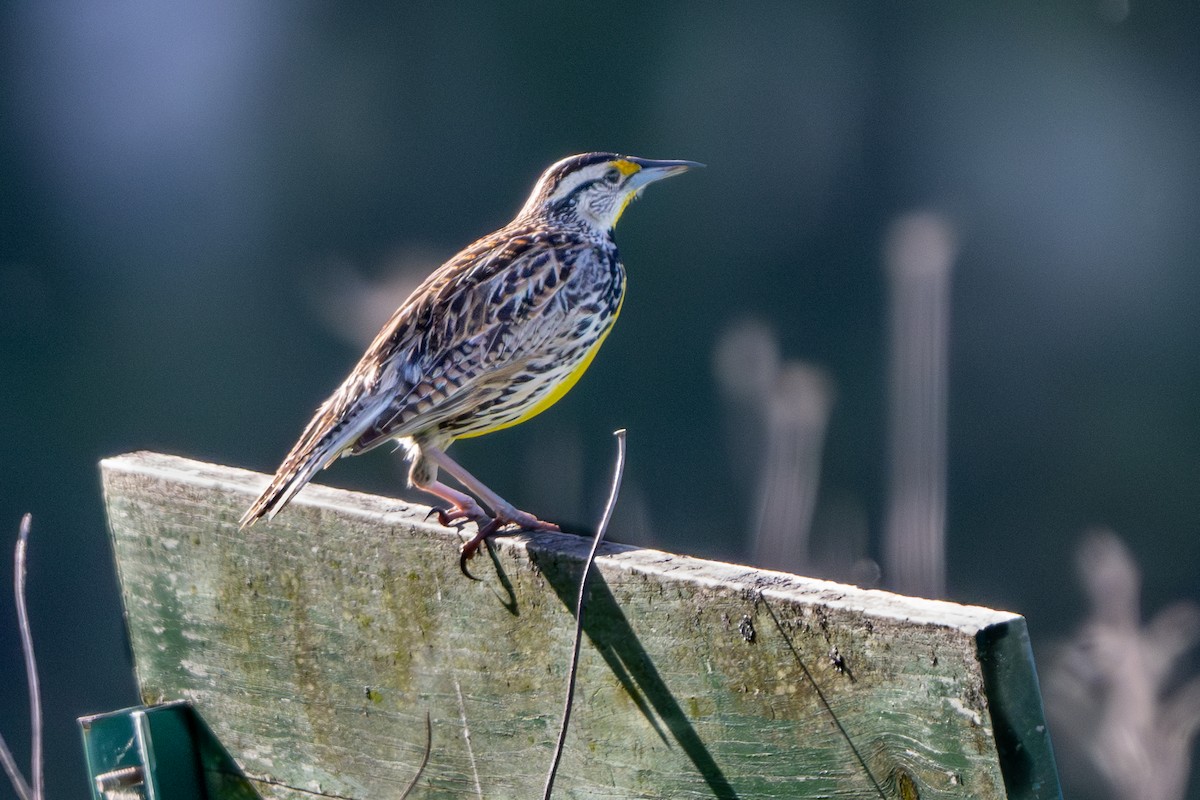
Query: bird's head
[595,188]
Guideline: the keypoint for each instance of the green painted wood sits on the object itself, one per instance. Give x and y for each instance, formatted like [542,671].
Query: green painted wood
[315,645]
[165,752]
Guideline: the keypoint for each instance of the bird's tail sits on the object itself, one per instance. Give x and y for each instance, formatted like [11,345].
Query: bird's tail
[329,433]
[295,471]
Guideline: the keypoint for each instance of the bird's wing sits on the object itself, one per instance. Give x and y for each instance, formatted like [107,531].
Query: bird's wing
[461,337]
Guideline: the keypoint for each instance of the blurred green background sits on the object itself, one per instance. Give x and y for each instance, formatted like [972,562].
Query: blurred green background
[206,207]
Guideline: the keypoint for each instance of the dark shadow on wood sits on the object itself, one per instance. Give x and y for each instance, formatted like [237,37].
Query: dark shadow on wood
[609,631]
[510,604]
[808,676]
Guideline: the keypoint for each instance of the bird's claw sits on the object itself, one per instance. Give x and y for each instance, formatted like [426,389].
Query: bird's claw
[450,518]
[471,546]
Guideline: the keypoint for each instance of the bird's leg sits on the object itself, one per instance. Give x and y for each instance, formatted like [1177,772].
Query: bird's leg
[423,475]
[503,511]
[462,506]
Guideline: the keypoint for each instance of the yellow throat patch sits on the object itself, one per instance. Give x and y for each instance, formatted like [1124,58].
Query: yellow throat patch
[626,168]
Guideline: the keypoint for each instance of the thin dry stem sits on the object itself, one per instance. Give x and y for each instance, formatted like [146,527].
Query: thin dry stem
[22,788]
[14,775]
[424,759]
[572,671]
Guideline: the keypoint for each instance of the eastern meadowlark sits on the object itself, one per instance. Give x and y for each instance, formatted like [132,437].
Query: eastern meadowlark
[496,335]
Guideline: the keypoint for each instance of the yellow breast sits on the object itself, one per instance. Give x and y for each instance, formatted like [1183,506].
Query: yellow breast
[561,388]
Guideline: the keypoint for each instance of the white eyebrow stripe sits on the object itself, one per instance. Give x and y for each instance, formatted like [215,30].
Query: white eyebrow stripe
[572,181]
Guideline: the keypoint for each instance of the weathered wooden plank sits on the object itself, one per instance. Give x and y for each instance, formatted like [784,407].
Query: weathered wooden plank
[315,645]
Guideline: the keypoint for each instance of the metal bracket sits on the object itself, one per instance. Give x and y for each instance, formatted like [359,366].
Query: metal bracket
[163,752]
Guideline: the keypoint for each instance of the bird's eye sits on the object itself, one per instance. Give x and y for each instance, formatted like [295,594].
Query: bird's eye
[613,175]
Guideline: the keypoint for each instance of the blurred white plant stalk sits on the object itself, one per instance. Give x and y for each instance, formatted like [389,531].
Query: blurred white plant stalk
[797,415]
[779,413]
[1120,710]
[919,252]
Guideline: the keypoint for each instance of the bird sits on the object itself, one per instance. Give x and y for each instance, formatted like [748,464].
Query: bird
[493,337]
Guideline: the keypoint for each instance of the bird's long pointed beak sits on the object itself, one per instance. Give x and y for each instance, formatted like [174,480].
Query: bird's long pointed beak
[652,171]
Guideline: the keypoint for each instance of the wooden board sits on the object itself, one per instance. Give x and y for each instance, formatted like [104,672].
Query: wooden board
[315,645]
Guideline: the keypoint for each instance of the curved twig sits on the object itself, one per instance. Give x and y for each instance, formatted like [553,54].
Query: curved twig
[618,474]
[424,760]
[23,789]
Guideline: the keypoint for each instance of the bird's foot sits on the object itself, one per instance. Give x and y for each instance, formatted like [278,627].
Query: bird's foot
[457,513]
[505,517]
[523,520]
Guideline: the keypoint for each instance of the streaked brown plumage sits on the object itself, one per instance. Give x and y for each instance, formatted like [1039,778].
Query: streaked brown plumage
[494,336]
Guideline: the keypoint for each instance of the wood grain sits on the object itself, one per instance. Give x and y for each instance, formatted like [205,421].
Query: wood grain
[314,646]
